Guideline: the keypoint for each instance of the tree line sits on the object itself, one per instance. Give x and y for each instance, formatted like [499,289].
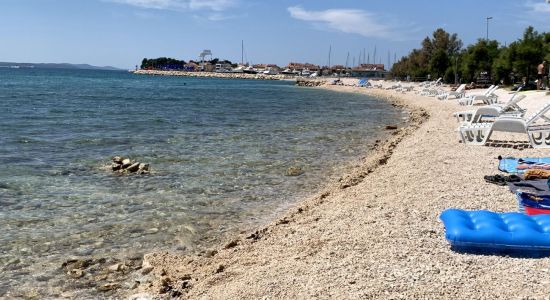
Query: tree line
[166,63]
[443,55]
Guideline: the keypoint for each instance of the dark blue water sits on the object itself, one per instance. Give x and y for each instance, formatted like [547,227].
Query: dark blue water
[218,148]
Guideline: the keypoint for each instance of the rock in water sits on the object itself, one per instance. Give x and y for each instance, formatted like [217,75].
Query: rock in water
[126,163]
[75,273]
[294,171]
[118,159]
[143,167]
[133,167]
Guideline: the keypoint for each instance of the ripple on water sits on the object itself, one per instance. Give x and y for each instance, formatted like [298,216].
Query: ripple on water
[219,150]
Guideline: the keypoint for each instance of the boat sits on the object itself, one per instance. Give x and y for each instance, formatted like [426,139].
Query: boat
[306,72]
[314,74]
[249,70]
[221,68]
[270,71]
[239,69]
[288,72]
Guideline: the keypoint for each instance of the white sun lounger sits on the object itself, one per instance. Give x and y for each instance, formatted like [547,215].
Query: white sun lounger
[469,99]
[537,128]
[511,108]
[458,93]
[430,89]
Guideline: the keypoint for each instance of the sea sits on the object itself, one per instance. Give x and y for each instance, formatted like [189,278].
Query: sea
[219,151]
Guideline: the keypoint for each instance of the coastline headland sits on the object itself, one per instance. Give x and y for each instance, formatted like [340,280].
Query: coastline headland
[374,233]
[258,76]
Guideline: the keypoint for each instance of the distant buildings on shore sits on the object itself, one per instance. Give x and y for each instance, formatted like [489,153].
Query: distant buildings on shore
[291,69]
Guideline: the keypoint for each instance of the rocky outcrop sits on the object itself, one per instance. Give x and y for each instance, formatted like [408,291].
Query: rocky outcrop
[214,75]
[127,166]
[310,82]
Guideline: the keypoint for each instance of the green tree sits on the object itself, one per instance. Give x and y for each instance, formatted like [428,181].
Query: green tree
[478,58]
[530,52]
[433,58]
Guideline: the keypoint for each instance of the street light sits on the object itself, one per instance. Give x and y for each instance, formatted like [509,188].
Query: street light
[488,18]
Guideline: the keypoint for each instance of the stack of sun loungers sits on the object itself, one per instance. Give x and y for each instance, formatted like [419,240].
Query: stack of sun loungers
[510,108]
[536,126]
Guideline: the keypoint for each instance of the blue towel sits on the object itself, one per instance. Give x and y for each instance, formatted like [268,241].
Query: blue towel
[510,164]
[532,200]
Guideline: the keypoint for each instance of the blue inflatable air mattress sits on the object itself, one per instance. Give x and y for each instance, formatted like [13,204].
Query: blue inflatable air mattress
[485,230]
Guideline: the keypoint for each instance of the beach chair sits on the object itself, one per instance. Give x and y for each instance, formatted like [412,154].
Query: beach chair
[362,82]
[431,89]
[488,97]
[537,128]
[404,89]
[458,93]
[394,86]
[435,92]
[511,108]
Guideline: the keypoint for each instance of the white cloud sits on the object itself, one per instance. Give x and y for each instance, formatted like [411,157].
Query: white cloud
[538,7]
[180,5]
[215,5]
[346,20]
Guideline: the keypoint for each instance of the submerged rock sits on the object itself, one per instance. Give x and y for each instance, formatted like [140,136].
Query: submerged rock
[294,171]
[75,273]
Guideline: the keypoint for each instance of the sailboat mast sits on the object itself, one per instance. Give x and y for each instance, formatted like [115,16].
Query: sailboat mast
[329,52]
[347,60]
[242,52]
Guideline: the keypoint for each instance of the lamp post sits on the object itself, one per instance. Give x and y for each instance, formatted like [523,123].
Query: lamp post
[488,18]
[456,70]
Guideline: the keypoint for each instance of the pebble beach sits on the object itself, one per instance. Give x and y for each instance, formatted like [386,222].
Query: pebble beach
[375,232]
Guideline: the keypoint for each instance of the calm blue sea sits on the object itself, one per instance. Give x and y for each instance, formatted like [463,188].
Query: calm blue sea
[218,150]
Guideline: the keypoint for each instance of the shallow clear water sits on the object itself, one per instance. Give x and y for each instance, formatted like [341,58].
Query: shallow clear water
[218,149]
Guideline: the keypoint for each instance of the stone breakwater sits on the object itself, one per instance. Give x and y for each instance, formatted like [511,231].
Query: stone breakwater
[214,75]
[310,82]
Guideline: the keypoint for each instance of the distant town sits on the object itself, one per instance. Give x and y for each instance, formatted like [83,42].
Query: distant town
[216,65]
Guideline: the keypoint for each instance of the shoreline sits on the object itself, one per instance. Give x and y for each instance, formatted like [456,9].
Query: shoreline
[380,236]
[375,157]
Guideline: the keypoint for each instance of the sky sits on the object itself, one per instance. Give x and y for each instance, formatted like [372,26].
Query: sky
[121,33]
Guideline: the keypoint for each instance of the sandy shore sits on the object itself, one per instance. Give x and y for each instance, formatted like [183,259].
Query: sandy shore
[376,233]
